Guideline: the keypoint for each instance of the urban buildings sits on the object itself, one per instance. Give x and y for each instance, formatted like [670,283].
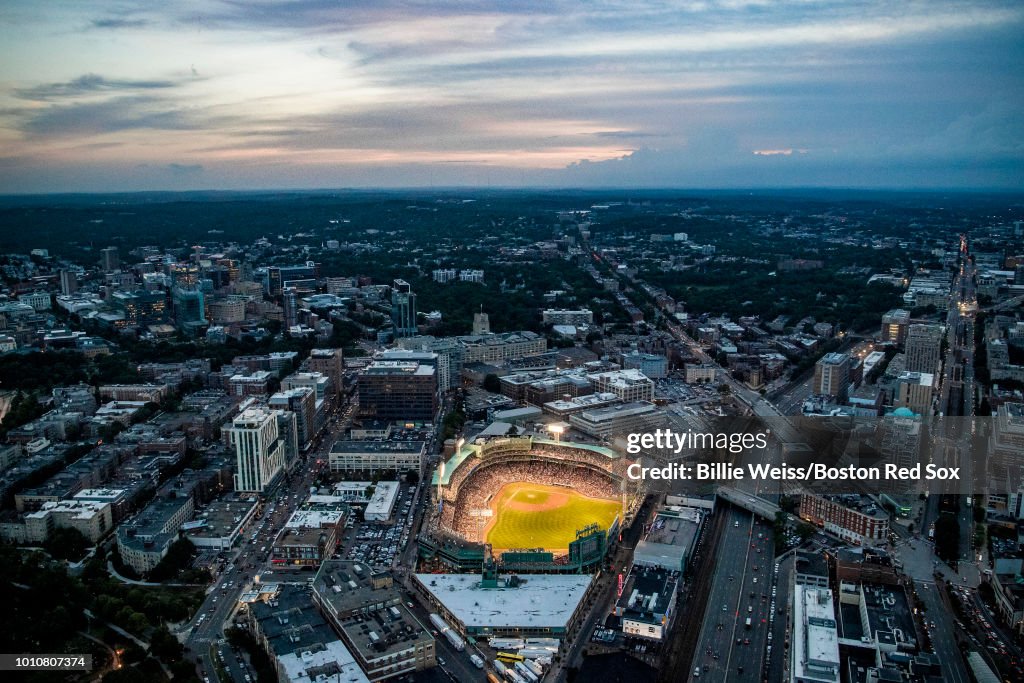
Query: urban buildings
[403,309]
[832,376]
[329,362]
[628,385]
[259,449]
[914,392]
[142,308]
[302,277]
[189,309]
[647,602]
[109,259]
[815,653]
[94,519]
[302,402]
[368,611]
[924,348]
[618,420]
[494,348]
[700,373]
[376,456]
[68,282]
[143,540]
[523,605]
[895,324]
[650,364]
[577,318]
[398,390]
[851,517]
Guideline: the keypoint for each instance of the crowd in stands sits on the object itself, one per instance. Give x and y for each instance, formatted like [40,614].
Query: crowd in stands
[476,492]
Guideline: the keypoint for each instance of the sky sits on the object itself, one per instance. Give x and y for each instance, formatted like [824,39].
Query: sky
[256,94]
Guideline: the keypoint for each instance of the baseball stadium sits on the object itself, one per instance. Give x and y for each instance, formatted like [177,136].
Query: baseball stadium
[532,504]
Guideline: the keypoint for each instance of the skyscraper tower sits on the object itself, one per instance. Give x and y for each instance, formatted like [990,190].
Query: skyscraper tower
[481,323]
[68,282]
[924,348]
[189,308]
[291,307]
[403,309]
[109,259]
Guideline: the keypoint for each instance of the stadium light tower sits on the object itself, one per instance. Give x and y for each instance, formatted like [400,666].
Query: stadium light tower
[556,430]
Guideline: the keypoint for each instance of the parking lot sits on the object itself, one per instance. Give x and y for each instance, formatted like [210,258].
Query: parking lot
[378,544]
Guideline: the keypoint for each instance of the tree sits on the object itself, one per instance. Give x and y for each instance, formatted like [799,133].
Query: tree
[492,383]
[164,645]
[178,558]
[66,543]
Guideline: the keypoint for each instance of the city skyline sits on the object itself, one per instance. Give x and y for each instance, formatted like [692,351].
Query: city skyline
[126,96]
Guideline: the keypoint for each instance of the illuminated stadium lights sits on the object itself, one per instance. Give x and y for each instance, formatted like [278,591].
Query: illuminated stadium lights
[563,474]
[557,429]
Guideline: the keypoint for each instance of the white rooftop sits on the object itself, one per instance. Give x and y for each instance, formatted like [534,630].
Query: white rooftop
[333,664]
[540,601]
[816,640]
[99,494]
[383,498]
[315,519]
[78,509]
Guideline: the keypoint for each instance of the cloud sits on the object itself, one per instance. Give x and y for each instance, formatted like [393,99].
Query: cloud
[88,84]
[185,169]
[556,91]
[789,151]
[110,116]
[114,23]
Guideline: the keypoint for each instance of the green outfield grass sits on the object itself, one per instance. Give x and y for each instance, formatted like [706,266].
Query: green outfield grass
[552,523]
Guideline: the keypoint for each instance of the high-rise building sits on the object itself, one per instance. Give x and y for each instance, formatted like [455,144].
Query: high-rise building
[302,277]
[231,266]
[302,402]
[398,390]
[832,375]
[290,302]
[403,309]
[481,323]
[189,308]
[449,358]
[924,348]
[109,259]
[329,362]
[914,391]
[894,326]
[259,449]
[142,308]
[68,282]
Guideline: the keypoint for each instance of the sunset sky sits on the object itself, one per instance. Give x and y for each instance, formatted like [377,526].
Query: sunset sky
[248,94]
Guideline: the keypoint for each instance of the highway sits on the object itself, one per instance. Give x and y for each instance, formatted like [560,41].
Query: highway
[777,664]
[726,646]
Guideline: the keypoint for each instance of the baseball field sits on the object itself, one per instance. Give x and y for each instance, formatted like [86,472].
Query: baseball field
[537,516]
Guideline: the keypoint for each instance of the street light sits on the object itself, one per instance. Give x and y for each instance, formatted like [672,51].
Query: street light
[556,430]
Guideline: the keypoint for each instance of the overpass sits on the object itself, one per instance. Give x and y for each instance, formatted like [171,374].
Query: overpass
[748,501]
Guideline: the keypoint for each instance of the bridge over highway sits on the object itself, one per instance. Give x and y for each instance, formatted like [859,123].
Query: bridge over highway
[759,506]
